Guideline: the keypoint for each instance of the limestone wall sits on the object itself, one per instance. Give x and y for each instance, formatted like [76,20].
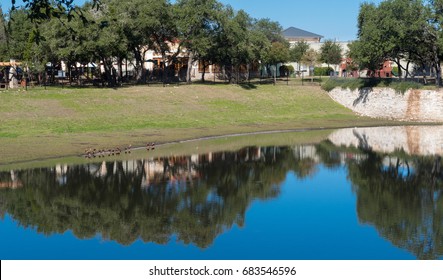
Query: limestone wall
[414,105]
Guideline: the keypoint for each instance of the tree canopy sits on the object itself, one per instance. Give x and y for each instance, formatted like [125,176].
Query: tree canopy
[330,52]
[3,39]
[112,32]
[400,30]
[298,51]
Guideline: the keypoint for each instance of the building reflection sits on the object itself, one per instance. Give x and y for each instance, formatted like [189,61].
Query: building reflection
[12,181]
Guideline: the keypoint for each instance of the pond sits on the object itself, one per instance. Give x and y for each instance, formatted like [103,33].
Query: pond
[363,194]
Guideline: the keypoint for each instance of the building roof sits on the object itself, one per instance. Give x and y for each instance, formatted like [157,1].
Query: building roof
[293,32]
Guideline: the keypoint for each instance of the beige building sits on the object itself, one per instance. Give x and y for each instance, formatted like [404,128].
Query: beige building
[294,35]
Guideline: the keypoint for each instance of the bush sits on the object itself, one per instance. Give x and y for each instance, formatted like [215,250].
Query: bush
[353,84]
[322,71]
[286,70]
[329,85]
[402,87]
[290,69]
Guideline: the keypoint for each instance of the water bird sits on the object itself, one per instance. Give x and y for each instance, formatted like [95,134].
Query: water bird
[150,146]
[89,153]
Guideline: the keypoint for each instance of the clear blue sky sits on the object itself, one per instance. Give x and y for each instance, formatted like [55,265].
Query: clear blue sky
[334,19]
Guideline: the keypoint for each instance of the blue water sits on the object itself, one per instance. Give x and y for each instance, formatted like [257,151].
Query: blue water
[312,218]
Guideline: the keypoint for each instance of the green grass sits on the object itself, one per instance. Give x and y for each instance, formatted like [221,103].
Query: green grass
[54,122]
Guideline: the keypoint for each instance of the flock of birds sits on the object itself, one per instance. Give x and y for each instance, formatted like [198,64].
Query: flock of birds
[93,153]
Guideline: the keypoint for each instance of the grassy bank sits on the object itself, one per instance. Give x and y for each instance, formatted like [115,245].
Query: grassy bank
[56,122]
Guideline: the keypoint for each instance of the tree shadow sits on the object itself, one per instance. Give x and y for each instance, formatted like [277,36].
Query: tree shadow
[363,96]
[248,86]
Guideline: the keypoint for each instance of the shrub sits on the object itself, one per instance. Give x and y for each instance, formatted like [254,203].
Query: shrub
[402,87]
[360,83]
[343,83]
[290,69]
[286,70]
[322,71]
[329,85]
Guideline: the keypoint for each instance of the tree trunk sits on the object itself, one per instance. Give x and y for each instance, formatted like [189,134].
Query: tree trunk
[399,68]
[143,68]
[424,74]
[120,70]
[213,72]
[275,75]
[247,72]
[52,73]
[438,81]
[407,70]
[437,66]
[126,69]
[164,68]
[107,64]
[189,70]
[138,65]
[70,72]
[204,72]
[107,76]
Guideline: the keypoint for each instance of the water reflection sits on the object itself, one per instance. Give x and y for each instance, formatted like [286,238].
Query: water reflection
[399,184]
[403,199]
[412,140]
[196,198]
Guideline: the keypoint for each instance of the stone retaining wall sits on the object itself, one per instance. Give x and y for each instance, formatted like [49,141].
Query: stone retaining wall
[413,105]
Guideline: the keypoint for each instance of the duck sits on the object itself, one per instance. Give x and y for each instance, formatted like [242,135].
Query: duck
[150,146]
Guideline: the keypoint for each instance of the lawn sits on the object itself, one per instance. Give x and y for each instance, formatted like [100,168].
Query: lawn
[44,123]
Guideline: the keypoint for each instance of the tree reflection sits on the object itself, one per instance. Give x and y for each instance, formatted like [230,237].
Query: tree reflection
[194,198]
[403,199]
[399,194]
[329,155]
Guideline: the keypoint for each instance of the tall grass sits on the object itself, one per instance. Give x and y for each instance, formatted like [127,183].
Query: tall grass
[360,83]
